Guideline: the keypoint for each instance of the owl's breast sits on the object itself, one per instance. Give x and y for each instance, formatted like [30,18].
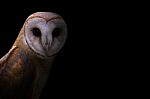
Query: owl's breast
[17,75]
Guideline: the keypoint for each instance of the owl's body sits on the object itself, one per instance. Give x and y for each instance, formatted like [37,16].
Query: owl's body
[24,69]
[16,76]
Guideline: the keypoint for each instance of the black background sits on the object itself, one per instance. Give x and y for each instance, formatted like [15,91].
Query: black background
[72,73]
[99,53]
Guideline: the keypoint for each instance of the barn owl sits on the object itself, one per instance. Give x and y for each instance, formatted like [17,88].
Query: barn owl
[25,68]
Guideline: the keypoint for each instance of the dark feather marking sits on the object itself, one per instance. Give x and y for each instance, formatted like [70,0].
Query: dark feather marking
[57,17]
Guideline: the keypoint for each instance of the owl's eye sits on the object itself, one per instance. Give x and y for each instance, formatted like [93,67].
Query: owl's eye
[56,32]
[36,32]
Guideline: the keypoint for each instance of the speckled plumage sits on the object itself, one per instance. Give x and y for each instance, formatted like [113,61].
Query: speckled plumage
[23,72]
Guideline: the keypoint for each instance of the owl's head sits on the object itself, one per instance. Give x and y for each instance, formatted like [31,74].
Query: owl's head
[45,33]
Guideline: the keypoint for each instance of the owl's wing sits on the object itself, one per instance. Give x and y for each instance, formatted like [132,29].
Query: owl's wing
[4,58]
[16,75]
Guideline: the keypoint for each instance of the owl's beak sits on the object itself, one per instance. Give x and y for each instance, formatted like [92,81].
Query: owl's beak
[47,42]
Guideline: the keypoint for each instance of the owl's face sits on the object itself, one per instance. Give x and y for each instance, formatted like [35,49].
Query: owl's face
[45,33]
